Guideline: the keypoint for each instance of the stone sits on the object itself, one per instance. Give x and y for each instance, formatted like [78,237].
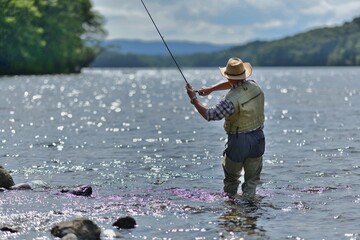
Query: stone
[8,229]
[125,222]
[70,236]
[111,234]
[21,186]
[6,181]
[84,190]
[81,228]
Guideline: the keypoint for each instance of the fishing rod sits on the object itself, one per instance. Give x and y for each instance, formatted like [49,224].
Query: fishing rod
[165,42]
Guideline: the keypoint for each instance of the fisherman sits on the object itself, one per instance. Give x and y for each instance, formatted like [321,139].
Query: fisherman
[243,110]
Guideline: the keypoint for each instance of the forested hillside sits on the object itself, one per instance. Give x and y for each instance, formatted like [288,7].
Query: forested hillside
[319,47]
[44,37]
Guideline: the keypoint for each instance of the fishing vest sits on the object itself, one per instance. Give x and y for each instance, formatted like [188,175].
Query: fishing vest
[248,101]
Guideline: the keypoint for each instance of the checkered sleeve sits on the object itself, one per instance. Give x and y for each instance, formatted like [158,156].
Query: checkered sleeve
[221,110]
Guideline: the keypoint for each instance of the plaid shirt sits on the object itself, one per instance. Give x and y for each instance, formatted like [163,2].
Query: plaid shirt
[221,110]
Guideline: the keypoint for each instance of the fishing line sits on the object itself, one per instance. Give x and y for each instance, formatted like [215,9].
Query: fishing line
[165,43]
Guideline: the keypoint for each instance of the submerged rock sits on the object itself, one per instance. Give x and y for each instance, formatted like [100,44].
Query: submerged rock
[39,184]
[7,229]
[125,222]
[35,184]
[111,234]
[21,186]
[80,228]
[6,181]
[70,236]
[84,190]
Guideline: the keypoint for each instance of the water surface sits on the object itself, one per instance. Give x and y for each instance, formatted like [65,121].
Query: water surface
[133,135]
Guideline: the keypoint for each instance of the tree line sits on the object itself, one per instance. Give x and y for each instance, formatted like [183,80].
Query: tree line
[48,36]
[330,46]
[52,36]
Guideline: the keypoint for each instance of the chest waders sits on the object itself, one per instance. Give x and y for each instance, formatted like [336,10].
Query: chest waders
[246,140]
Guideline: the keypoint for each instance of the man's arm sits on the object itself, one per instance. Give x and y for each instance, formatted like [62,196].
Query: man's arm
[217,87]
[200,108]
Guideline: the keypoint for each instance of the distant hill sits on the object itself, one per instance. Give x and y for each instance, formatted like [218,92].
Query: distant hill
[158,48]
[330,46]
[319,47]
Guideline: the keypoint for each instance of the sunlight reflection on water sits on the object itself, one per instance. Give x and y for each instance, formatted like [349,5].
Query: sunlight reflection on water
[132,135]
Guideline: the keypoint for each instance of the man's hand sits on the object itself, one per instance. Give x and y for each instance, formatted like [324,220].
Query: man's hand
[204,91]
[190,91]
[197,104]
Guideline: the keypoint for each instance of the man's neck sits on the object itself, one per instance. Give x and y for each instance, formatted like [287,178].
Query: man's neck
[235,83]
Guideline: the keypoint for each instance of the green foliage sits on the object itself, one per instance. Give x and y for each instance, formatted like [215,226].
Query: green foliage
[318,47]
[47,36]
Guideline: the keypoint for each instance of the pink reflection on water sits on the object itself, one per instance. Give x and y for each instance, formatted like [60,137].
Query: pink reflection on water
[198,194]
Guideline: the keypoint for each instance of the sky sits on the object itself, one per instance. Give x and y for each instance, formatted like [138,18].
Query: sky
[221,21]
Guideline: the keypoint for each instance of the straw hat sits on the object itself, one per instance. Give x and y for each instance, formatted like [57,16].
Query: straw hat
[236,69]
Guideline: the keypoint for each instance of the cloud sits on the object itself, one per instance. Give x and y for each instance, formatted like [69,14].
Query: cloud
[123,13]
[322,8]
[226,21]
[329,13]
[263,5]
[333,8]
[270,24]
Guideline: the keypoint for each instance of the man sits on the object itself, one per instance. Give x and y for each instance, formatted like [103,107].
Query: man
[243,110]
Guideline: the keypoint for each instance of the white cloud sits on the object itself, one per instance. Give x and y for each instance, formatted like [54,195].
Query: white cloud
[321,8]
[347,10]
[335,8]
[330,13]
[113,12]
[266,5]
[270,24]
[226,21]
[226,34]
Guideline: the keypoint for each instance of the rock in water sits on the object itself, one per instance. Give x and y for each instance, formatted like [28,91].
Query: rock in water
[125,222]
[7,229]
[70,236]
[111,234]
[82,228]
[84,190]
[6,181]
[21,186]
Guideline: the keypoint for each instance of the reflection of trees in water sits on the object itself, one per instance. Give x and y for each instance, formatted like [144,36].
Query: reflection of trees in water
[241,220]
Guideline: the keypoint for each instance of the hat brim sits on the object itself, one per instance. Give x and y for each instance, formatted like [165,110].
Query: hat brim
[248,72]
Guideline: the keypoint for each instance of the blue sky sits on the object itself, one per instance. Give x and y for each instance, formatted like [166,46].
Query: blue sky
[222,21]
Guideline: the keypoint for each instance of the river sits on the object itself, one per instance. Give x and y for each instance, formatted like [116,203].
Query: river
[135,138]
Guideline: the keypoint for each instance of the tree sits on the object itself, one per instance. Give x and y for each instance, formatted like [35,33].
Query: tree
[20,38]
[47,36]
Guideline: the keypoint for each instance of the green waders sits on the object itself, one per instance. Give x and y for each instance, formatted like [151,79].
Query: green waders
[232,170]
[244,151]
